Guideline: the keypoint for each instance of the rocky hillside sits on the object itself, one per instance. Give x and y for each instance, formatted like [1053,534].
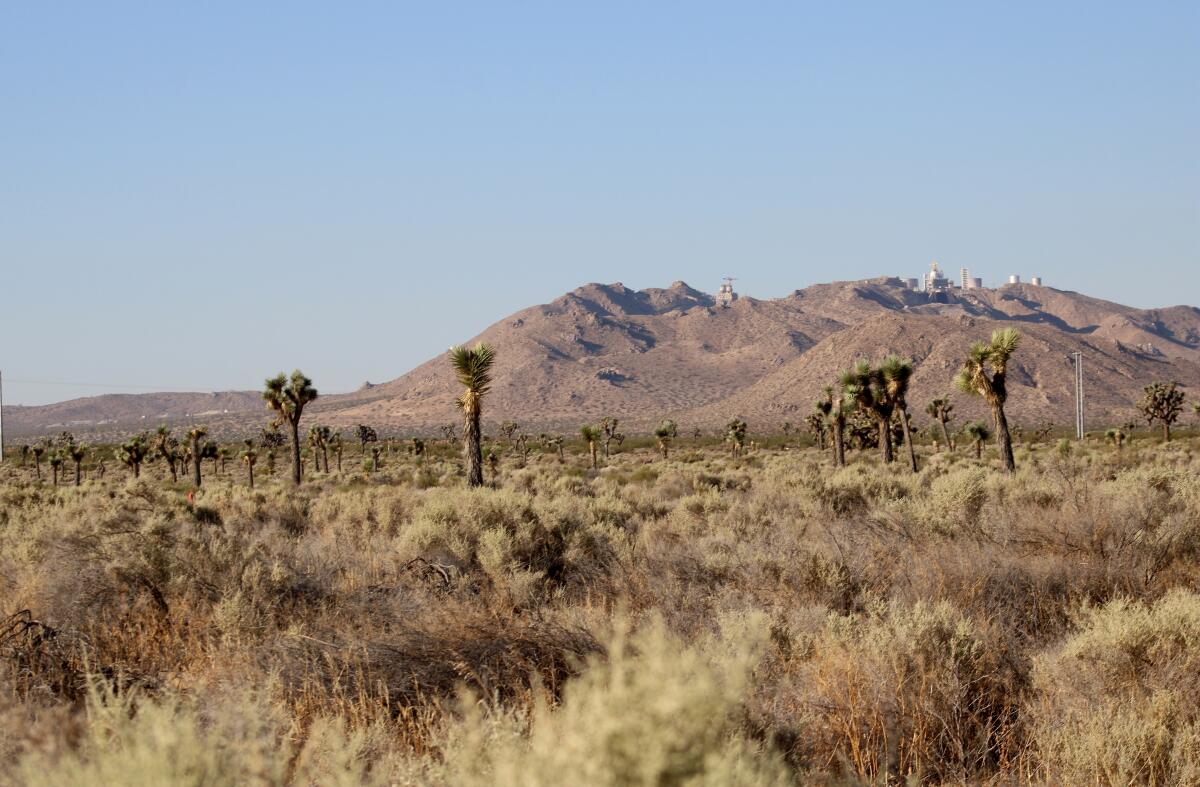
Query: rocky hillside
[648,354]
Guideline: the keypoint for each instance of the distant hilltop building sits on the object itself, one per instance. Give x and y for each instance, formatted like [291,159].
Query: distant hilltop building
[1036,281]
[935,280]
[726,295]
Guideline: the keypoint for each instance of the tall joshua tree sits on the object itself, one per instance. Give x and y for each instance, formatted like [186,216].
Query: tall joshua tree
[365,435]
[195,435]
[473,366]
[978,432]
[941,409]
[590,435]
[869,391]
[38,451]
[317,436]
[133,452]
[249,458]
[665,433]
[56,463]
[735,435]
[287,397]
[77,452]
[166,447]
[1162,402]
[335,442]
[984,373]
[896,373]
[834,406]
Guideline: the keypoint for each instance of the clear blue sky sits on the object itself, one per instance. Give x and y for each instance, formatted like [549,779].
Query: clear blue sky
[199,194]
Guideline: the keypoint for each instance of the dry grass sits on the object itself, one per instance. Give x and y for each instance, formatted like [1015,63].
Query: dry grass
[705,620]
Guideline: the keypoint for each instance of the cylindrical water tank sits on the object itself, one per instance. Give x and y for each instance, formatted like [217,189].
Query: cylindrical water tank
[1014,279]
[1036,281]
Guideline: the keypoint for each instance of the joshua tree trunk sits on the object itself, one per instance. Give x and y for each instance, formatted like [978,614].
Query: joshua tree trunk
[945,434]
[174,471]
[1166,432]
[196,462]
[978,449]
[592,449]
[78,472]
[250,474]
[839,442]
[885,440]
[473,449]
[296,472]
[54,470]
[908,443]
[1003,438]
[338,454]
[37,467]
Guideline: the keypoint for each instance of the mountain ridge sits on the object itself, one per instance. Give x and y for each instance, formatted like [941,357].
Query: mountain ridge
[643,355]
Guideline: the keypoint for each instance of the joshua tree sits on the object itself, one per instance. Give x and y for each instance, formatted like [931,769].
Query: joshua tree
[787,429]
[735,435]
[897,373]
[56,463]
[449,432]
[608,427]
[77,453]
[867,387]
[522,444]
[834,407]
[335,442]
[133,452]
[287,399]
[418,447]
[1116,436]
[473,366]
[493,460]
[554,443]
[195,435]
[270,436]
[211,450]
[167,447]
[249,458]
[318,438]
[984,373]
[508,429]
[1162,402]
[590,435]
[941,409]
[38,451]
[24,452]
[978,432]
[665,433]
[815,421]
[365,435]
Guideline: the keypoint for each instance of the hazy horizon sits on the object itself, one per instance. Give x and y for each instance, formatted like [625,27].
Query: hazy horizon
[197,198]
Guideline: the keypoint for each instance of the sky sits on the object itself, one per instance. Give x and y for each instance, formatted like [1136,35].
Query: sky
[194,196]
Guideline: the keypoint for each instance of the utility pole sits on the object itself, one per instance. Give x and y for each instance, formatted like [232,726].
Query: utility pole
[1079,420]
[1,418]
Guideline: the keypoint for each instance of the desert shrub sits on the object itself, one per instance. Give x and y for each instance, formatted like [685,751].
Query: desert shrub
[906,692]
[1119,702]
[655,712]
[952,504]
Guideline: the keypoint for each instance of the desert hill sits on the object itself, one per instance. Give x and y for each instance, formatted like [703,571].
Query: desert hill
[643,355]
